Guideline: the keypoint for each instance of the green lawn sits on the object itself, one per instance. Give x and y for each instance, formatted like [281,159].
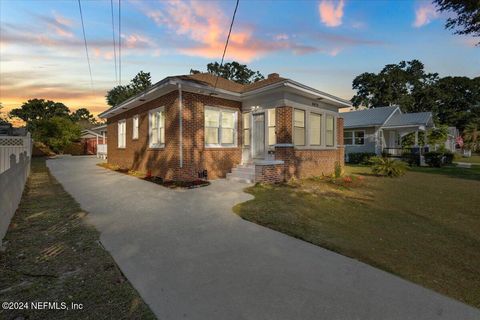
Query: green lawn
[474,159]
[423,226]
[51,254]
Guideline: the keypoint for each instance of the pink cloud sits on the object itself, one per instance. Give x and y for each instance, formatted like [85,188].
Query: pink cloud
[331,12]
[206,25]
[424,15]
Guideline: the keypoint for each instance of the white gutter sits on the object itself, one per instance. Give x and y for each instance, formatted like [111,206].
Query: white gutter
[180,119]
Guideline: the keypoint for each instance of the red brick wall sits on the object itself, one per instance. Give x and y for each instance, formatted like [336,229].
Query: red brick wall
[302,163]
[274,173]
[166,162]
[283,124]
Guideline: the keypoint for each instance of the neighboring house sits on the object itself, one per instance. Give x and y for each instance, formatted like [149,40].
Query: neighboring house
[191,126]
[380,130]
[93,138]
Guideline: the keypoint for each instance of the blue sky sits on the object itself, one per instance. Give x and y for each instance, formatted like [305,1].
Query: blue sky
[324,44]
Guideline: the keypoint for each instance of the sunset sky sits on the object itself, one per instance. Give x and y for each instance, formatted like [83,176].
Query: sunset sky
[324,44]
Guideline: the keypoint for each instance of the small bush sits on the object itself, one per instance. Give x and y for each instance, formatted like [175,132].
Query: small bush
[387,167]
[411,158]
[434,159]
[448,157]
[338,170]
[360,157]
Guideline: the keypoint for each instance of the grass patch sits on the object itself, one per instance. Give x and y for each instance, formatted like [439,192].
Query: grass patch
[52,254]
[422,226]
[474,159]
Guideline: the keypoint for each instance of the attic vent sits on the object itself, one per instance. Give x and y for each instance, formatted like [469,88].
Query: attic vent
[273,76]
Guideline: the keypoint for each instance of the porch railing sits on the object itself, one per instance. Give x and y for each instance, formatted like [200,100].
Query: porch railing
[398,152]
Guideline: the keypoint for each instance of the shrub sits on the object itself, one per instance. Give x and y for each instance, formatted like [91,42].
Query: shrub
[411,158]
[434,158]
[360,157]
[448,157]
[338,170]
[387,167]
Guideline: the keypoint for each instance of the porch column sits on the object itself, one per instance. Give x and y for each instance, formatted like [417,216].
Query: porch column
[96,146]
[103,137]
[416,138]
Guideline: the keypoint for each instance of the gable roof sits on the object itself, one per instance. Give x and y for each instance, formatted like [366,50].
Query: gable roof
[229,85]
[367,117]
[204,83]
[407,119]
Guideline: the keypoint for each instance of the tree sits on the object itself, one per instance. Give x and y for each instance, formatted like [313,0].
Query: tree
[471,136]
[234,71]
[35,110]
[467,16]
[405,84]
[82,114]
[56,132]
[458,101]
[3,117]
[137,85]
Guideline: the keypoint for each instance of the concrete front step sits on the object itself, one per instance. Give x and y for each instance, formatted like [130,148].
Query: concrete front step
[241,175]
[238,179]
[243,170]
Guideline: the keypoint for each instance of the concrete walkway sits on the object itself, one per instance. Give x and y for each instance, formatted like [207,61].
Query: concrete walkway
[190,257]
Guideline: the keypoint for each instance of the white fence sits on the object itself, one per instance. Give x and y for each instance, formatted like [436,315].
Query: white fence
[102,151]
[15,145]
[15,156]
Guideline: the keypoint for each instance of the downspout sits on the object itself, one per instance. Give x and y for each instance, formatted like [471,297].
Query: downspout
[180,119]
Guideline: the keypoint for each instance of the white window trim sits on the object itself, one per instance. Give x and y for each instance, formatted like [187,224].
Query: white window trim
[323,137]
[321,128]
[122,142]
[334,133]
[235,128]
[268,126]
[150,112]
[305,128]
[249,116]
[353,137]
[135,126]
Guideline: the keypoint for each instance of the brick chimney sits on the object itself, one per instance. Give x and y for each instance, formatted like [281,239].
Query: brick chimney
[273,76]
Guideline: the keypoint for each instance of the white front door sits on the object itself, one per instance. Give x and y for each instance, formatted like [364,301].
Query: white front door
[258,136]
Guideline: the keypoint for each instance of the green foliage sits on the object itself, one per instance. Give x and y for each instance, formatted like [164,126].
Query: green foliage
[448,157]
[454,101]
[471,137]
[464,16]
[387,167]
[458,101]
[434,158]
[56,132]
[35,110]
[338,169]
[408,140]
[138,84]
[3,117]
[234,71]
[360,157]
[412,159]
[403,84]
[438,135]
[83,114]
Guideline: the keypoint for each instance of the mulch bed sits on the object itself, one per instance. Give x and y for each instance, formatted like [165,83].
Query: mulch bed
[178,184]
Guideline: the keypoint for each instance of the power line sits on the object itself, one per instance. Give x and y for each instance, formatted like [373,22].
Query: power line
[226,44]
[85,41]
[119,44]
[113,38]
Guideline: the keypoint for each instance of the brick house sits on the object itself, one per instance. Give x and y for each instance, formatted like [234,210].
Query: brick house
[191,126]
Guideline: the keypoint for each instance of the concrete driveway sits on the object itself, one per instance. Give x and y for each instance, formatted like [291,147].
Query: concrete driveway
[191,257]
